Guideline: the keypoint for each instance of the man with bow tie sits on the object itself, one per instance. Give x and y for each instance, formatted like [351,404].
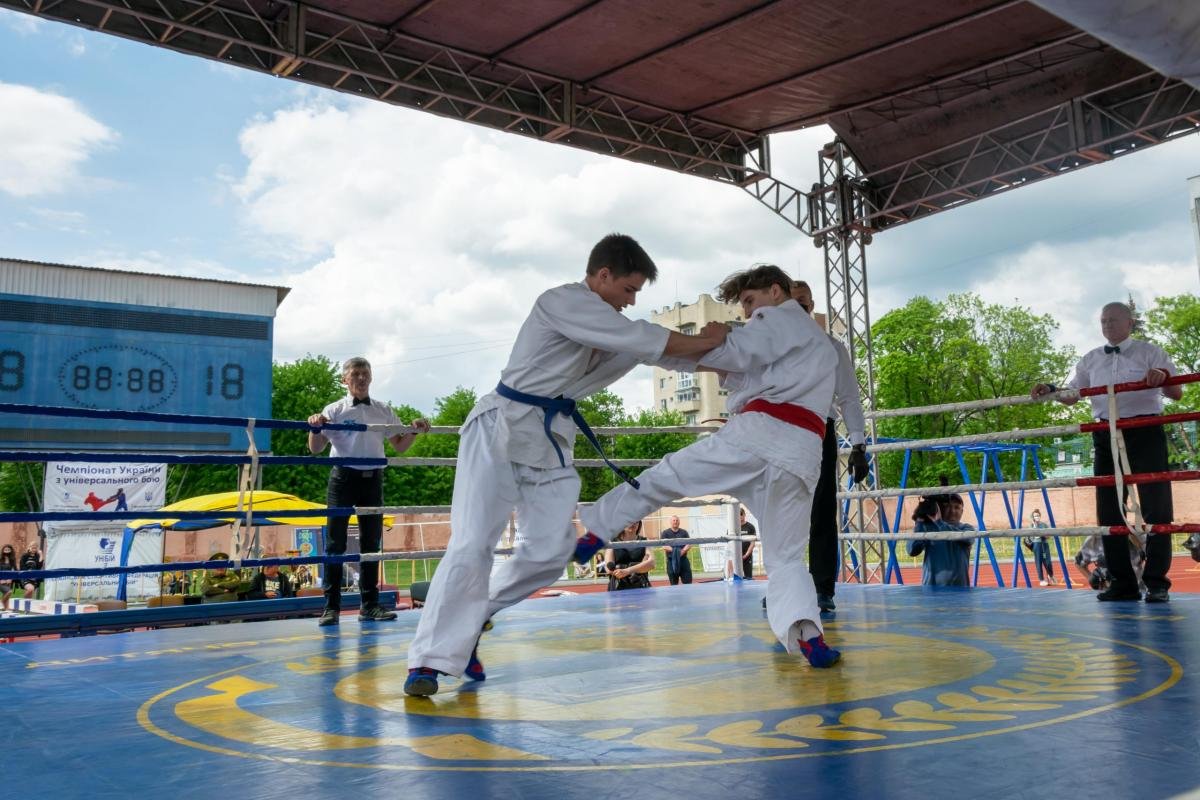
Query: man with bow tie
[1122,360]
[357,485]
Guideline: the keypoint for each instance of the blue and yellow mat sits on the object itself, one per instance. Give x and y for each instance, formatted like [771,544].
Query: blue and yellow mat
[677,692]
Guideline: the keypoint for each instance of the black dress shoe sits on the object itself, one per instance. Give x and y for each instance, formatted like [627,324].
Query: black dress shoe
[1112,594]
[1158,596]
[329,617]
[825,602]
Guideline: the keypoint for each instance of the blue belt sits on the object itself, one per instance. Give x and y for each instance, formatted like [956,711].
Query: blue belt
[565,406]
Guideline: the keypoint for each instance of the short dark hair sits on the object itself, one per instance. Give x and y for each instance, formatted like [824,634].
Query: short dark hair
[760,276]
[623,256]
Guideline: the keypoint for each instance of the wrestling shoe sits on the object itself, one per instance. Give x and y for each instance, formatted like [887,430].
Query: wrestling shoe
[1158,596]
[474,669]
[586,547]
[421,682]
[825,602]
[819,654]
[328,617]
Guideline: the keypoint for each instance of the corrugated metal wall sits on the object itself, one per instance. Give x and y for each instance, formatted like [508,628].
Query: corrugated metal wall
[157,291]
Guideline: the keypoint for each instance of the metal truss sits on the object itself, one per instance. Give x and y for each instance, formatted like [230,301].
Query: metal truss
[836,214]
[1145,110]
[328,49]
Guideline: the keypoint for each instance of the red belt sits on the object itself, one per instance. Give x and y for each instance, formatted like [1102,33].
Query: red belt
[792,414]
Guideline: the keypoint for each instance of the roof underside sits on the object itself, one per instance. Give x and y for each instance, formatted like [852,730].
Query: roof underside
[940,101]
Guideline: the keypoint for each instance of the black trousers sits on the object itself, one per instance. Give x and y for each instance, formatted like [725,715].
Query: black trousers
[1147,449]
[680,571]
[354,487]
[823,520]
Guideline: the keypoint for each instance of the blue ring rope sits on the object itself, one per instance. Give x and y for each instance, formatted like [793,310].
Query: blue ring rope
[174,566]
[172,458]
[261,516]
[190,419]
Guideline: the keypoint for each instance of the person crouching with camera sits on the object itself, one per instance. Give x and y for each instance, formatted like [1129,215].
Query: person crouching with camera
[947,563]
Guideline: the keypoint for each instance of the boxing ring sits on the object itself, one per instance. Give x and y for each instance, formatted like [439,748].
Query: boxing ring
[663,692]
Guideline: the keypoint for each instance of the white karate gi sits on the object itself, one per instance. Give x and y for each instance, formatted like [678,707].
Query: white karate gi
[572,344]
[781,355]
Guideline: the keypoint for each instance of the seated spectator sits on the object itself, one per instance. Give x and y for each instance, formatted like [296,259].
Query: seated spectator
[1193,546]
[270,582]
[8,561]
[629,568]
[222,585]
[947,563]
[31,559]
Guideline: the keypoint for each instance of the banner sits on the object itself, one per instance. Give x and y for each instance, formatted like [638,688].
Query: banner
[79,486]
[101,547]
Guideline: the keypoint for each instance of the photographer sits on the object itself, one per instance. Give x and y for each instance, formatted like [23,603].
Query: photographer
[947,563]
[629,568]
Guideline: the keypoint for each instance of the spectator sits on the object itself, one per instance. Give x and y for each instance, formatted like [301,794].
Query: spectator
[31,559]
[1092,552]
[269,583]
[946,563]
[222,585]
[1126,359]
[1193,546]
[748,529]
[824,522]
[679,566]
[629,568]
[352,485]
[8,561]
[1040,547]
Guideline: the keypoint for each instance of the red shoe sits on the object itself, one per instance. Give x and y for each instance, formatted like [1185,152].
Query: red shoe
[474,669]
[819,654]
[421,682]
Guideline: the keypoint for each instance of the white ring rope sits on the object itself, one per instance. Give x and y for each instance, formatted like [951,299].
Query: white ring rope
[971,405]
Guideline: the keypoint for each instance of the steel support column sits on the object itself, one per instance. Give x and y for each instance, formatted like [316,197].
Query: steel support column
[838,217]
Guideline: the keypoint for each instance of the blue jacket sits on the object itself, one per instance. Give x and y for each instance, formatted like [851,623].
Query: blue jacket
[946,563]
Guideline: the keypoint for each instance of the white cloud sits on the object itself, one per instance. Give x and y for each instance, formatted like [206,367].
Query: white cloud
[422,243]
[76,45]
[22,24]
[1072,281]
[47,139]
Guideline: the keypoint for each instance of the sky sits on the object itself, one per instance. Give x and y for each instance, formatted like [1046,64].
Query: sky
[422,243]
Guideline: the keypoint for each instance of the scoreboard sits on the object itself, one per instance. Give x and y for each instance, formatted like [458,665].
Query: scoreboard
[94,355]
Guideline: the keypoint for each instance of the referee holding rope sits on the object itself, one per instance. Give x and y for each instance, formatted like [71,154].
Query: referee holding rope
[1122,360]
[356,486]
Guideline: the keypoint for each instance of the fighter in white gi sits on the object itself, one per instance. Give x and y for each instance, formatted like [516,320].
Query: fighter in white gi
[780,372]
[516,448]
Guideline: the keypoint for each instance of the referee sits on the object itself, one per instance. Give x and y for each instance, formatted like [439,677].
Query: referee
[356,485]
[1121,360]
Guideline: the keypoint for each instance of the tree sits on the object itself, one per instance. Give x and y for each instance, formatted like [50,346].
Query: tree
[1174,324]
[929,352]
[299,389]
[430,486]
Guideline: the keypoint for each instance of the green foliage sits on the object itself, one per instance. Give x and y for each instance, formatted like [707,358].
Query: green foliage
[429,486]
[21,486]
[299,390]
[928,353]
[1174,324]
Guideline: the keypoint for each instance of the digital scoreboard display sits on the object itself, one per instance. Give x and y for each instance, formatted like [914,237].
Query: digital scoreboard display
[130,358]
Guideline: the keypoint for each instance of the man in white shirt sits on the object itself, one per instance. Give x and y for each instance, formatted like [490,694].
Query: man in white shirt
[1122,360]
[825,520]
[779,371]
[516,450]
[356,485]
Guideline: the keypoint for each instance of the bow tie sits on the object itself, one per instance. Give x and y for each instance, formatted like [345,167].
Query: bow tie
[1112,349]
[366,401]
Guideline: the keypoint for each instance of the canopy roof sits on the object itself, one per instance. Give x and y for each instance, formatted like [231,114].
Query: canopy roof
[225,511]
[940,101]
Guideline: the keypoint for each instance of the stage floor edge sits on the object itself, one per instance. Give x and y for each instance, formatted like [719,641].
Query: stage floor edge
[666,692]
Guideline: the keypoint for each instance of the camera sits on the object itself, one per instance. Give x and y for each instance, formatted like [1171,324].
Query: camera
[927,509]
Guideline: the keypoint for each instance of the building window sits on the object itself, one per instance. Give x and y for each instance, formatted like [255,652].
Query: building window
[691,419]
[686,381]
[688,329]
[662,383]
[724,415]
